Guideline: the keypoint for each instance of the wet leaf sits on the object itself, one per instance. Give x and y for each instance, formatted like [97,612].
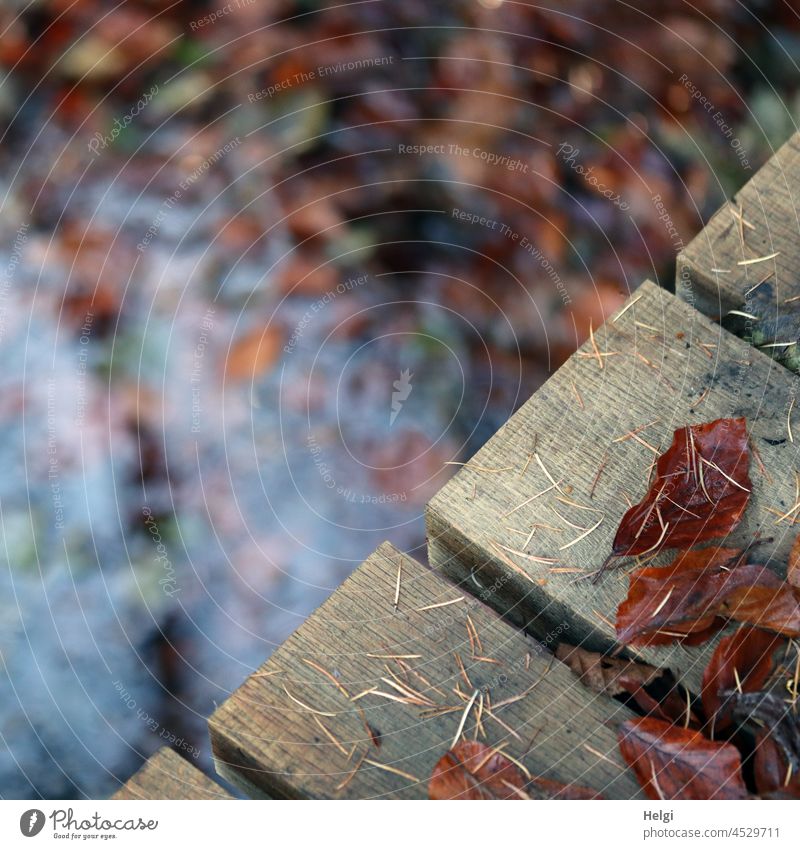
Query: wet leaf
[679,763]
[771,770]
[610,675]
[692,597]
[471,770]
[776,715]
[743,659]
[616,676]
[700,491]
[674,707]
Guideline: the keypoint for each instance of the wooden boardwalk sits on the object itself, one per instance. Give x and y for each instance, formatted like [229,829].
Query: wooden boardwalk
[364,699]
[659,363]
[167,775]
[402,661]
[719,270]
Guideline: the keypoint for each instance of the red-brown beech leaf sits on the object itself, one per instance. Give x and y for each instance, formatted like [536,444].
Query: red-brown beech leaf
[741,660]
[642,616]
[678,763]
[675,707]
[471,770]
[692,597]
[609,675]
[770,769]
[615,676]
[700,491]
[770,711]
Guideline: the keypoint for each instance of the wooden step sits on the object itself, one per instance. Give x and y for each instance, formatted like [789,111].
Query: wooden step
[715,272]
[298,728]
[660,362]
[167,775]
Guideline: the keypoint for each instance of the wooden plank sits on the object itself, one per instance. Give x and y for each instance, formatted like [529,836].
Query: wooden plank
[293,731]
[166,775]
[716,271]
[662,363]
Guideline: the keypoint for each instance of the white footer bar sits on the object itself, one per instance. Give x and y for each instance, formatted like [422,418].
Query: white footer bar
[392,825]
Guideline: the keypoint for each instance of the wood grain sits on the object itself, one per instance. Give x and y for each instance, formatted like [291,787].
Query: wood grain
[662,363]
[167,775]
[293,731]
[710,273]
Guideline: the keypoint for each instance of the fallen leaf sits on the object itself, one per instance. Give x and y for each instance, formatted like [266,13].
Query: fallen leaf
[610,675]
[675,707]
[776,715]
[679,763]
[253,354]
[690,599]
[652,598]
[700,491]
[743,659]
[753,594]
[770,769]
[615,676]
[306,274]
[471,770]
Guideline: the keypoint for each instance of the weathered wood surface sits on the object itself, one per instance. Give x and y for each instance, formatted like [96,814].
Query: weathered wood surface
[166,775]
[663,364]
[716,272]
[292,730]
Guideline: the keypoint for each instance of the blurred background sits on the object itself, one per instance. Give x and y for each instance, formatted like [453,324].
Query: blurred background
[268,269]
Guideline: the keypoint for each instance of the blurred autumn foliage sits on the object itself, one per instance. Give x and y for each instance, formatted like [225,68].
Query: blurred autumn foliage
[506,78]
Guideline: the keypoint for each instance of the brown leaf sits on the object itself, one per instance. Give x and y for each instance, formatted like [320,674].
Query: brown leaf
[679,763]
[793,568]
[471,770]
[775,715]
[690,599]
[753,594]
[610,675]
[700,491]
[770,769]
[615,676]
[306,274]
[674,707]
[254,353]
[645,610]
[743,659]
